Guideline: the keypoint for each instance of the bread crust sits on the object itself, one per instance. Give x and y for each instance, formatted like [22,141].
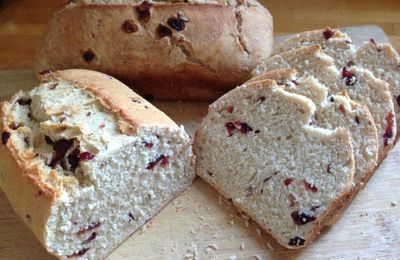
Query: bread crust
[134,110]
[216,50]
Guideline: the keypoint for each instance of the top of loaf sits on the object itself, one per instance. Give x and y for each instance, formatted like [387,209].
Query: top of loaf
[72,117]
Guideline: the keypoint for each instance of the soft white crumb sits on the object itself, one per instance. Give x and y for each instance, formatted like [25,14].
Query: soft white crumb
[242,246]
[232,257]
[215,235]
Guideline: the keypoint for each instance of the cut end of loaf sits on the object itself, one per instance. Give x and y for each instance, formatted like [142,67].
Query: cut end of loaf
[106,183]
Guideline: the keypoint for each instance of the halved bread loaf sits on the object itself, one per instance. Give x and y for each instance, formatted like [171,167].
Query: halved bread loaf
[359,83]
[85,161]
[287,175]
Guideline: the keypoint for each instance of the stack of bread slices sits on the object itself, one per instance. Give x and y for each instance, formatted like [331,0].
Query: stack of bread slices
[304,134]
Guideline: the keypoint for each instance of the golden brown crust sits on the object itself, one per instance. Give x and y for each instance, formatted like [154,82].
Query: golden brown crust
[29,196]
[216,50]
[115,96]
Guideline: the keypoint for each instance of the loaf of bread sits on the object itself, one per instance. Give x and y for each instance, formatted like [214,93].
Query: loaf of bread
[360,84]
[192,50]
[286,174]
[381,59]
[85,161]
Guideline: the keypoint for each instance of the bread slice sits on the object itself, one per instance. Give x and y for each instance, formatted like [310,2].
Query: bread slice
[256,147]
[360,84]
[336,111]
[384,62]
[335,43]
[85,161]
[381,59]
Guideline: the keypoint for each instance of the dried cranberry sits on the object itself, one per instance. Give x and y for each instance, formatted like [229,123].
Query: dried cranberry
[48,140]
[310,187]
[375,44]
[296,241]
[90,227]
[244,128]
[148,145]
[89,55]
[80,253]
[89,113]
[14,126]
[350,78]
[302,218]
[398,100]
[230,127]
[24,102]
[28,217]
[329,168]
[131,216]
[288,181]
[260,99]
[164,160]
[92,237]
[250,191]
[295,82]
[388,129]
[143,11]
[176,23]
[85,156]
[328,34]
[4,137]
[129,26]
[257,131]
[163,31]
[73,159]
[60,147]
[229,109]
[332,99]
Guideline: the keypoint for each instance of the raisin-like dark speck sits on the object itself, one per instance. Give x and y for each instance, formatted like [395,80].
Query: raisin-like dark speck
[129,26]
[303,217]
[176,23]
[4,137]
[296,241]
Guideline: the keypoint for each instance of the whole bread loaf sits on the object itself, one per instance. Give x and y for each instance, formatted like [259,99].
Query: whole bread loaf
[286,174]
[85,161]
[193,50]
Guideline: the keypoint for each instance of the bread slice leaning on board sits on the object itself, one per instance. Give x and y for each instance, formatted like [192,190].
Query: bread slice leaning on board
[335,111]
[360,84]
[85,161]
[191,50]
[286,174]
[380,58]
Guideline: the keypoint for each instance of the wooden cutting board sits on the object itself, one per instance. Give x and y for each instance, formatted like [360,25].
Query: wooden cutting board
[199,224]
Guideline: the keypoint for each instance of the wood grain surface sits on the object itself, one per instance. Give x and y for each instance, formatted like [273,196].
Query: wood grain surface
[199,224]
